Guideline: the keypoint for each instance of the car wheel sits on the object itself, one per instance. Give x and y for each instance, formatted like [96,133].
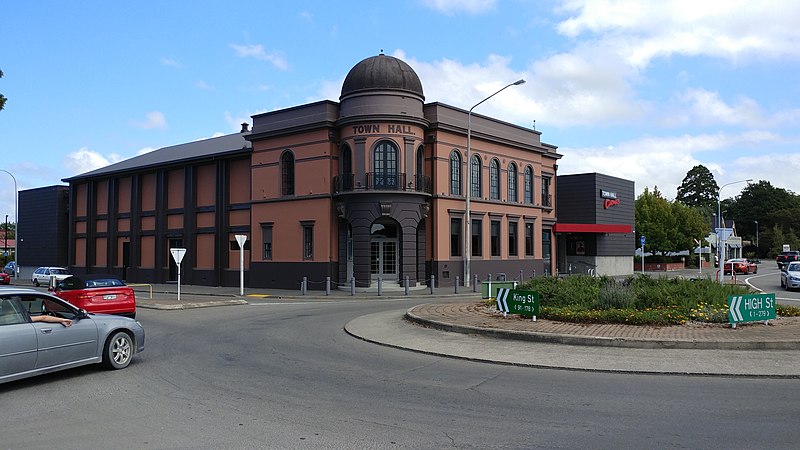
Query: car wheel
[118,351]
[756,270]
[36,282]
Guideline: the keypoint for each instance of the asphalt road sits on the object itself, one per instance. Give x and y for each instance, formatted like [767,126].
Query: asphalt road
[286,375]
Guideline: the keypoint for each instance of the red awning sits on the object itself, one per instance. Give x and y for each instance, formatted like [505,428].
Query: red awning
[591,228]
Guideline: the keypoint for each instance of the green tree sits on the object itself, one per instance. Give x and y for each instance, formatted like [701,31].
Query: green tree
[2,97]
[667,226]
[768,205]
[698,189]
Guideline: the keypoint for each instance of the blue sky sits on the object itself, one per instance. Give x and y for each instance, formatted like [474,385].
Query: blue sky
[636,89]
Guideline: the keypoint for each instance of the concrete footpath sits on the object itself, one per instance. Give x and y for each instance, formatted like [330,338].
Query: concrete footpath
[461,326]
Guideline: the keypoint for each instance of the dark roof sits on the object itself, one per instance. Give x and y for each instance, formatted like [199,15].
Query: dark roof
[206,148]
[380,73]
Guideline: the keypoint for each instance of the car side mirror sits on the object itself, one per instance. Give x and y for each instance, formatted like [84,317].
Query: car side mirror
[82,314]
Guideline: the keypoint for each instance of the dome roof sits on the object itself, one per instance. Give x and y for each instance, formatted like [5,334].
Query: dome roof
[380,73]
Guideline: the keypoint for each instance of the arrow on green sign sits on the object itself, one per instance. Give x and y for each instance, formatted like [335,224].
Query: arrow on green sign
[751,308]
[512,301]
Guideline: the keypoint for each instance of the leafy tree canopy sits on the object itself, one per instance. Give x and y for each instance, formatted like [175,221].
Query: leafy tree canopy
[698,189]
[667,226]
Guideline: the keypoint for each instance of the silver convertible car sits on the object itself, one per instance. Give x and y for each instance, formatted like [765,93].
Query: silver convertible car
[34,342]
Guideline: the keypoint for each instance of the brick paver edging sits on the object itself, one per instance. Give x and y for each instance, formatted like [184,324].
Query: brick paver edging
[477,318]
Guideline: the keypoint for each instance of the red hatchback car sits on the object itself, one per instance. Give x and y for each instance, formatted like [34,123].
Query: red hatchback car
[98,294]
[5,278]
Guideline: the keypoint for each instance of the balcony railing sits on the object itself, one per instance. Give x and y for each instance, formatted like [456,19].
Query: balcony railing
[547,199]
[381,181]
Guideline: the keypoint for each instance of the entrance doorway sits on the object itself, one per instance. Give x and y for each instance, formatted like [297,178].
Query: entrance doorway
[383,254]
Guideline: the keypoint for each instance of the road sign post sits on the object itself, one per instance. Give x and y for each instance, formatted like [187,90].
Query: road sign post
[751,308]
[241,239]
[641,239]
[177,255]
[524,303]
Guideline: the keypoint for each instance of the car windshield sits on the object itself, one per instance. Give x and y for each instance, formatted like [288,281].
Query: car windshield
[793,267]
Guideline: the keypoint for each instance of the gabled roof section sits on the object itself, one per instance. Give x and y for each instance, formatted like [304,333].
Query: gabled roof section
[181,153]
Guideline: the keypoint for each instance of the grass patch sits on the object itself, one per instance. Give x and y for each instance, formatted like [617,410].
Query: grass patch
[637,300]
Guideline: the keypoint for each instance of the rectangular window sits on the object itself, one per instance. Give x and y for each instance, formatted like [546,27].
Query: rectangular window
[495,237]
[477,237]
[512,239]
[455,237]
[546,200]
[308,240]
[546,245]
[528,239]
[266,237]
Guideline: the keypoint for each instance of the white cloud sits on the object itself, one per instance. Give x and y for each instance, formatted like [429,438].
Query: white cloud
[153,119]
[562,90]
[729,29]
[85,160]
[664,161]
[171,62]
[202,85]
[708,108]
[453,7]
[257,51]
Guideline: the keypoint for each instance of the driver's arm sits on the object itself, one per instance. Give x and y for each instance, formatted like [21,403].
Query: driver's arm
[52,319]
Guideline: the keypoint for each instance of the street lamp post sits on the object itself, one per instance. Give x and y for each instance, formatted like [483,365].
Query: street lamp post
[757,256]
[721,255]
[16,224]
[468,235]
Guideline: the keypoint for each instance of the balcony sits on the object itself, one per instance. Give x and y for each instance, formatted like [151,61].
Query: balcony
[381,181]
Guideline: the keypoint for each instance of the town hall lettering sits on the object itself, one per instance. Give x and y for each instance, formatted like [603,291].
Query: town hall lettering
[376,129]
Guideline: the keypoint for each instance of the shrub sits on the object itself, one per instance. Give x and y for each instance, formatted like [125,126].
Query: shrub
[637,299]
[614,295]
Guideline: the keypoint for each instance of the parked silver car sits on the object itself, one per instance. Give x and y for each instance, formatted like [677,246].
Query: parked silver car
[42,275]
[790,276]
[29,348]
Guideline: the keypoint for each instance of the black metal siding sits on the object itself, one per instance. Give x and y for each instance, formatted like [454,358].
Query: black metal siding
[43,219]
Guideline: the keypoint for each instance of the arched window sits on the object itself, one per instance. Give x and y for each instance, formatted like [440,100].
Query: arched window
[529,185]
[477,189]
[287,173]
[346,168]
[512,182]
[455,173]
[384,165]
[494,180]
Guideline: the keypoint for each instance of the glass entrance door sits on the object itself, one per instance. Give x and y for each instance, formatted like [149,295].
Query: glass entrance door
[383,259]
[383,254]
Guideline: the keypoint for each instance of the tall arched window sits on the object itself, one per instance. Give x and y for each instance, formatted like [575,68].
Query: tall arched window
[512,182]
[494,180]
[346,168]
[477,189]
[384,165]
[529,185]
[455,173]
[287,173]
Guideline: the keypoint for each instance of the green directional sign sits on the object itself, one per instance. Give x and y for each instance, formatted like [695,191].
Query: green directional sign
[751,308]
[512,301]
